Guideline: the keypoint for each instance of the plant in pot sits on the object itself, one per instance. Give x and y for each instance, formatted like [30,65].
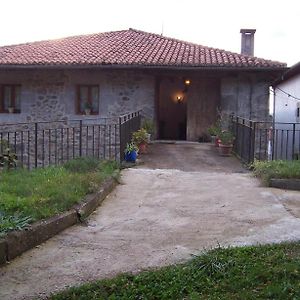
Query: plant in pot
[131,152]
[140,138]
[11,109]
[87,108]
[214,132]
[148,125]
[226,143]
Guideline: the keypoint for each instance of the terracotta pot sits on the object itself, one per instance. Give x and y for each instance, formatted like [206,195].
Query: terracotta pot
[143,148]
[225,150]
[217,142]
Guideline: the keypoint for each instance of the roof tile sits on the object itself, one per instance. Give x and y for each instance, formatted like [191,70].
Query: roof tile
[127,47]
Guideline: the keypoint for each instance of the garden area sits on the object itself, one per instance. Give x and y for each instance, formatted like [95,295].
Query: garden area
[28,196]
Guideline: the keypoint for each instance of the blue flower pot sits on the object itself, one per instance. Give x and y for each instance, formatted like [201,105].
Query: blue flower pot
[131,156]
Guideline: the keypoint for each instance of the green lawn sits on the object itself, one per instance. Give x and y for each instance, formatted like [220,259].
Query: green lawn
[277,169]
[257,272]
[27,196]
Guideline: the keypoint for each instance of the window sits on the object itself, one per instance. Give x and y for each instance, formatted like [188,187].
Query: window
[10,98]
[88,99]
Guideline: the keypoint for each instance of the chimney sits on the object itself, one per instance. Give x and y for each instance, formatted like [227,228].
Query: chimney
[247,45]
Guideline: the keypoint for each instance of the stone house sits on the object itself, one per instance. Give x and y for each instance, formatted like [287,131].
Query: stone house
[178,84]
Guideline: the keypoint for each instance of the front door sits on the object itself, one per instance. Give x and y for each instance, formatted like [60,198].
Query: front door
[172,109]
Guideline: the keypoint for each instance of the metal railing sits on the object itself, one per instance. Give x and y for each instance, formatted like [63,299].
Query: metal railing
[42,144]
[265,140]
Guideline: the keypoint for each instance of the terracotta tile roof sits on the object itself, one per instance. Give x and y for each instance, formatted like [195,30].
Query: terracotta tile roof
[127,48]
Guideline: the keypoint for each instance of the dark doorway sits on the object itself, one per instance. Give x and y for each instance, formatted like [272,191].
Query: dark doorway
[172,109]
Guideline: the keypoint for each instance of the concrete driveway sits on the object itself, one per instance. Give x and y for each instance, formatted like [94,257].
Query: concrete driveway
[183,199]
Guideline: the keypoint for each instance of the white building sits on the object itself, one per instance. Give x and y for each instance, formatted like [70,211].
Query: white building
[287,115]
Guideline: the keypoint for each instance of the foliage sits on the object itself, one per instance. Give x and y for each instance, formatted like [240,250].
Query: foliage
[148,125]
[140,137]
[42,193]
[256,272]
[13,222]
[214,130]
[130,147]
[8,159]
[276,169]
[226,137]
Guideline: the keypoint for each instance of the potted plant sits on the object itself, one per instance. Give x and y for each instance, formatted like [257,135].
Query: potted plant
[214,131]
[148,125]
[131,152]
[87,108]
[140,138]
[11,109]
[226,142]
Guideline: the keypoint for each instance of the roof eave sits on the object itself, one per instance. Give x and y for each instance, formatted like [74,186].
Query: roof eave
[290,73]
[144,67]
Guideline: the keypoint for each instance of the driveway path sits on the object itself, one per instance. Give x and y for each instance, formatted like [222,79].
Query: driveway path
[194,201]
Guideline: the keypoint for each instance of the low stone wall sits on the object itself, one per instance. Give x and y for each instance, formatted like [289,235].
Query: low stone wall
[17,242]
[286,184]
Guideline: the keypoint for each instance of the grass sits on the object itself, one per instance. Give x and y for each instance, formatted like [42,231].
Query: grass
[27,196]
[255,272]
[277,169]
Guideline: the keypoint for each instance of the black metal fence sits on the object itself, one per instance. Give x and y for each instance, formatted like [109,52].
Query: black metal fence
[265,140]
[43,144]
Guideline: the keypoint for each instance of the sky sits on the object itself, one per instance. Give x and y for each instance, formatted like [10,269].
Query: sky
[214,23]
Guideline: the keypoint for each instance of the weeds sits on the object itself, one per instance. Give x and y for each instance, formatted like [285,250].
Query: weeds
[276,169]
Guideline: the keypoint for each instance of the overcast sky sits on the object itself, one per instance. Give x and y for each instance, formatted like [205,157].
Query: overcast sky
[211,23]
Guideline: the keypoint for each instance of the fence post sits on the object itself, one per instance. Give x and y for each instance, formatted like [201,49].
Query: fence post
[253,138]
[80,138]
[293,147]
[120,137]
[36,144]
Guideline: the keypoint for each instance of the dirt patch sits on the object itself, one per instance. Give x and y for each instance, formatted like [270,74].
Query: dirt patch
[154,218]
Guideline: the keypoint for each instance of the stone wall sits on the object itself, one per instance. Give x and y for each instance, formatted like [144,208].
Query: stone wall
[50,95]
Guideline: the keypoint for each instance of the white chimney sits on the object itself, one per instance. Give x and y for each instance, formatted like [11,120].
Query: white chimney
[247,45]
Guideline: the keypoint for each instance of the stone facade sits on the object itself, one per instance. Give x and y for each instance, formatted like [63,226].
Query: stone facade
[50,95]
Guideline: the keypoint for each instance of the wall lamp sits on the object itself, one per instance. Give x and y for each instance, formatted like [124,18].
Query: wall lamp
[179,99]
